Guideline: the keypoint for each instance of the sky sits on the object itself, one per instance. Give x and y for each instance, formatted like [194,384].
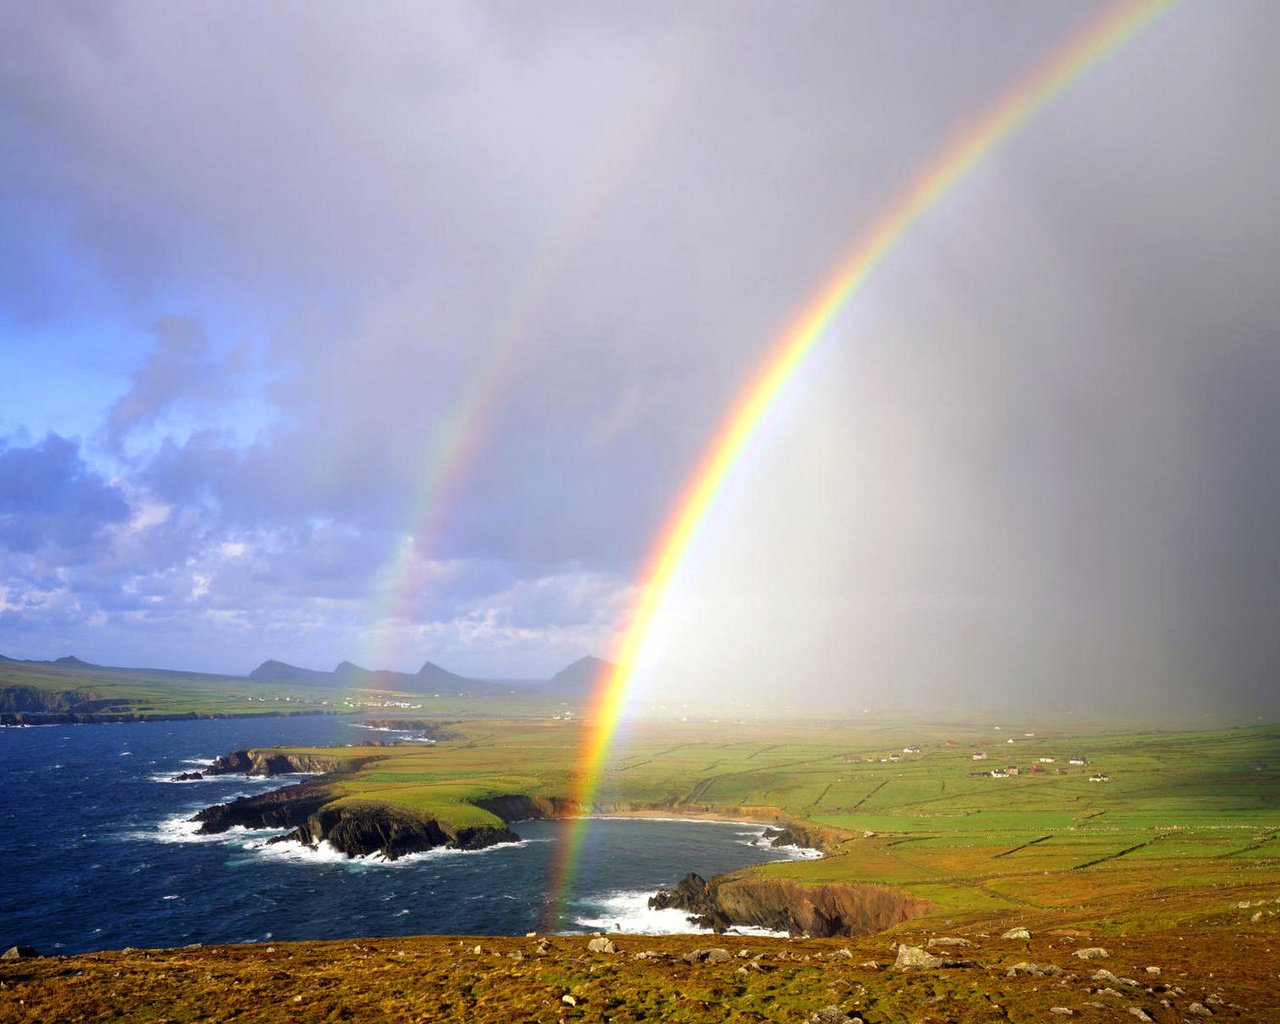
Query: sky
[392,334]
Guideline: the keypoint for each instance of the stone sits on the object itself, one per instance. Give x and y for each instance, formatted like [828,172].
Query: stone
[946,940]
[1062,1011]
[1153,970]
[1091,953]
[18,953]
[914,958]
[830,1015]
[1106,976]
[601,945]
[1200,1010]
[1140,1013]
[1016,933]
[708,956]
[1037,970]
[568,1000]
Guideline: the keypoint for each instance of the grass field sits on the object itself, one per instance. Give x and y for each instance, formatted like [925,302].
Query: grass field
[1172,866]
[1181,812]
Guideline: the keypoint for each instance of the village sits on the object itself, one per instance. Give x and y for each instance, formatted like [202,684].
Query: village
[1041,765]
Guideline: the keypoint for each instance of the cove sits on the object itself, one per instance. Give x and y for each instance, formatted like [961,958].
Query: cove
[102,854]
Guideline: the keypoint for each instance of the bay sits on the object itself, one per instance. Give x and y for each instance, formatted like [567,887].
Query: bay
[99,854]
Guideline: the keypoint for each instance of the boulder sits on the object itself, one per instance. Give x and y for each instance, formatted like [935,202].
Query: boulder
[946,940]
[1200,1010]
[1091,953]
[1062,1011]
[18,953]
[1016,933]
[707,956]
[912,958]
[831,1015]
[1107,977]
[601,945]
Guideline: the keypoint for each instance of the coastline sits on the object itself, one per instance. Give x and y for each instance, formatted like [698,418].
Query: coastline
[31,719]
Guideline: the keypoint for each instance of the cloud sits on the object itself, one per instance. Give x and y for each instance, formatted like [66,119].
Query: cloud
[507,269]
[49,497]
[180,370]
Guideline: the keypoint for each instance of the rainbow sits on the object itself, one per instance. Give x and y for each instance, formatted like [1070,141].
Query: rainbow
[733,439]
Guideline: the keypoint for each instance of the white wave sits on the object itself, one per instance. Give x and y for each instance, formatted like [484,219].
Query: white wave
[126,753]
[175,896]
[296,853]
[326,853]
[179,828]
[799,852]
[241,780]
[198,760]
[628,912]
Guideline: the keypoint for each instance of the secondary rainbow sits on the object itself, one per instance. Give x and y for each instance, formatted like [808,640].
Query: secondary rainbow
[1066,65]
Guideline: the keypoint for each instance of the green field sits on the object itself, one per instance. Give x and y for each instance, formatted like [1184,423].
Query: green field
[1183,812]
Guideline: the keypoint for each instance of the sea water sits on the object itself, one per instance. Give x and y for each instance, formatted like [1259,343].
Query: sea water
[99,853]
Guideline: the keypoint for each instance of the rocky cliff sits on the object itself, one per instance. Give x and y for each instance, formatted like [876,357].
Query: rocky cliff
[524,808]
[273,762]
[821,911]
[281,808]
[359,829]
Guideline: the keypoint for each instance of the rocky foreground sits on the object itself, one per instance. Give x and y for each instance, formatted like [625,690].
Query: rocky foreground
[923,977]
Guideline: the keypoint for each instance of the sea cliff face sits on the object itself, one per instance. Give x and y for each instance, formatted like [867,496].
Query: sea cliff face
[821,911]
[281,808]
[272,762]
[361,829]
[520,807]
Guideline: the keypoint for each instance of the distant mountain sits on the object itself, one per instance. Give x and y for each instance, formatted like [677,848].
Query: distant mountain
[580,678]
[71,661]
[433,675]
[272,671]
[431,678]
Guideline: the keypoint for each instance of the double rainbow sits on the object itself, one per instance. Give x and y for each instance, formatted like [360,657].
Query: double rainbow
[733,439]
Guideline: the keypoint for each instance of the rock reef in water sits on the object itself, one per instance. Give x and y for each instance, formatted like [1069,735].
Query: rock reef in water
[822,911]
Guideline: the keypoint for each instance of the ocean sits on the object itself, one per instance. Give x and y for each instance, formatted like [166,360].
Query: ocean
[98,853]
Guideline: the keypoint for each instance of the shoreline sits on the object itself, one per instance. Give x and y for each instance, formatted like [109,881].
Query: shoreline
[32,720]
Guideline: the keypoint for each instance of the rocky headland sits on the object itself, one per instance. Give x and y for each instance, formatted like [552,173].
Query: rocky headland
[821,911]
[318,811]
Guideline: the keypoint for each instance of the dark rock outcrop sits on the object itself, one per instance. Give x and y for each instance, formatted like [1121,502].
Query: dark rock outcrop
[778,904]
[281,808]
[795,835]
[519,807]
[272,762]
[360,829]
